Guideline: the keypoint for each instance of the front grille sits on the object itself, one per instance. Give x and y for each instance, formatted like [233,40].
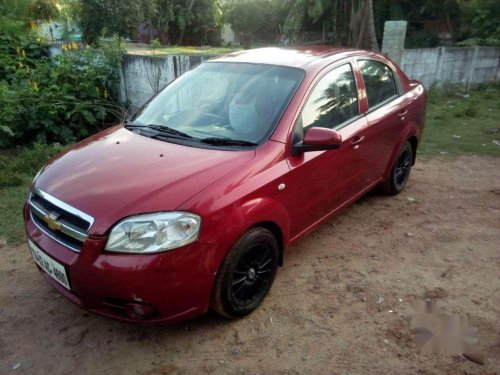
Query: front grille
[60,237]
[60,221]
[65,217]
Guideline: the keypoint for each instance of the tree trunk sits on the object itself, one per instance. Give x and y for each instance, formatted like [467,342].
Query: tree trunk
[360,27]
[181,37]
[371,27]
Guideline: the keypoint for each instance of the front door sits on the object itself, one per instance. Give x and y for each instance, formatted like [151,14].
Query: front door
[323,181]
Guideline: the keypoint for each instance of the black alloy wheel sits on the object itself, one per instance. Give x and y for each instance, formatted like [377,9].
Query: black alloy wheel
[246,275]
[400,173]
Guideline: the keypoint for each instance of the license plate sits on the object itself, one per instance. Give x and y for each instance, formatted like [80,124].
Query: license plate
[49,265]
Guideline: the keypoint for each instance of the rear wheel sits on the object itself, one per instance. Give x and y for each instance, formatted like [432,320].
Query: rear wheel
[246,274]
[400,173]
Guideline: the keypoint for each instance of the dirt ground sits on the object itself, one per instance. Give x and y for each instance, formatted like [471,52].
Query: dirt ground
[337,307]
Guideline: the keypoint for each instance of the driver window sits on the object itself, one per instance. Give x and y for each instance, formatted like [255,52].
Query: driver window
[333,101]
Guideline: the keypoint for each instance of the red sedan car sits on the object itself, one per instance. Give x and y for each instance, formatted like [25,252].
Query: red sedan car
[191,204]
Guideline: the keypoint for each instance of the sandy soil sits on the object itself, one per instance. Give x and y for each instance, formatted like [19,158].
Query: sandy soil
[329,311]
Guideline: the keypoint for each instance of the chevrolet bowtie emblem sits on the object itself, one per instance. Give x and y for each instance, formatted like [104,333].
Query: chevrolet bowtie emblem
[51,221]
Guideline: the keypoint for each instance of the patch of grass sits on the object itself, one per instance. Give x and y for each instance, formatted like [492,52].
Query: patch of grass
[462,123]
[11,214]
[144,49]
[17,169]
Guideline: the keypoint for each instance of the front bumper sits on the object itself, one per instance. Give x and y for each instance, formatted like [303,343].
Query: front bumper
[176,283]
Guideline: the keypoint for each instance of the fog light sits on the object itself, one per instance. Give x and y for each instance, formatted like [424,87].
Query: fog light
[140,311]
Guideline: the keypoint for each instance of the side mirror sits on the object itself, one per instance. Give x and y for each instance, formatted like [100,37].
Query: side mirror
[319,139]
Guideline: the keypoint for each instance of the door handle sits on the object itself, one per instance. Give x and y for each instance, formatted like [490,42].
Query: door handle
[402,114]
[356,141]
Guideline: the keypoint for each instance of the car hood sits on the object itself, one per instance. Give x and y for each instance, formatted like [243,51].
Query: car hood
[118,173]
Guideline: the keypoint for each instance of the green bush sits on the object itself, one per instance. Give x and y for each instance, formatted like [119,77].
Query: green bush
[421,39]
[20,49]
[8,178]
[62,99]
[472,42]
[20,165]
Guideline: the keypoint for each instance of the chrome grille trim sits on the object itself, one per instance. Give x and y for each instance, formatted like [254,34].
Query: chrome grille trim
[64,206]
[76,250]
[42,213]
[66,229]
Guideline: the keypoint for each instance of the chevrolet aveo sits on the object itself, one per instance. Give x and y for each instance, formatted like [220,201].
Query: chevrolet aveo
[191,203]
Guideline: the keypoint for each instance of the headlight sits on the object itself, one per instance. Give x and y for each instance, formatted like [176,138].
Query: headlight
[153,233]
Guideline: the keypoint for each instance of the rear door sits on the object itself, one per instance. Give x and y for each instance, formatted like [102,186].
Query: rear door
[386,115]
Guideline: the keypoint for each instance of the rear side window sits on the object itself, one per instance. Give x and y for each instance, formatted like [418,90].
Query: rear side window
[379,81]
[333,101]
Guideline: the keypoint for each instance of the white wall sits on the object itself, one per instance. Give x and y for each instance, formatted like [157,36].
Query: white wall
[453,66]
[138,74]
[465,67]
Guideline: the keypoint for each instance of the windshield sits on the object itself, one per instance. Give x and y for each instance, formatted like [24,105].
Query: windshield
[222,102]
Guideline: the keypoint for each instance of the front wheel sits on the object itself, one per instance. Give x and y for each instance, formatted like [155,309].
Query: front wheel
[400,172]
[246,274]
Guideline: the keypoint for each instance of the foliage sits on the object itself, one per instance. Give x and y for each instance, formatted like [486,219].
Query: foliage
[351,23]
[480,22]
[20,48]
[61,99]
[69,14]
[19,166]
[471,22]
[421,15]
[251,19]
[173,21]
[43,10]
[108,17]
[29,11]
[421,39]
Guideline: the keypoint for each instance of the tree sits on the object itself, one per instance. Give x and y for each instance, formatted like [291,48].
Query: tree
[160,16]
[255,19]
[351,22]
[29,10]
[43,10]
[480,22]
[69,13]
[171,21]
[109,17]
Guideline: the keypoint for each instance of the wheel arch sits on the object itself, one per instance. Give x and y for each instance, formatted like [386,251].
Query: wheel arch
[414,146]
[275,229]
[411,135]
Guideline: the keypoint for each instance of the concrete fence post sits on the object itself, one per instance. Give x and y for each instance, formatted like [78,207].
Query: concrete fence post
[472,67]
[497,78]
[393,43]
[123,87]
[438,79]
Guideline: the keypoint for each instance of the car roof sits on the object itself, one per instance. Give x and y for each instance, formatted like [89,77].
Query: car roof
[292,56]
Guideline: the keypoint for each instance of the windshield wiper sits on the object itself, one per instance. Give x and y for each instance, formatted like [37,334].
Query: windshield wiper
[162,129]
[227,142]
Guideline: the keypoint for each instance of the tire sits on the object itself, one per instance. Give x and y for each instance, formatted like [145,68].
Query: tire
[400,172]
[246,274]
